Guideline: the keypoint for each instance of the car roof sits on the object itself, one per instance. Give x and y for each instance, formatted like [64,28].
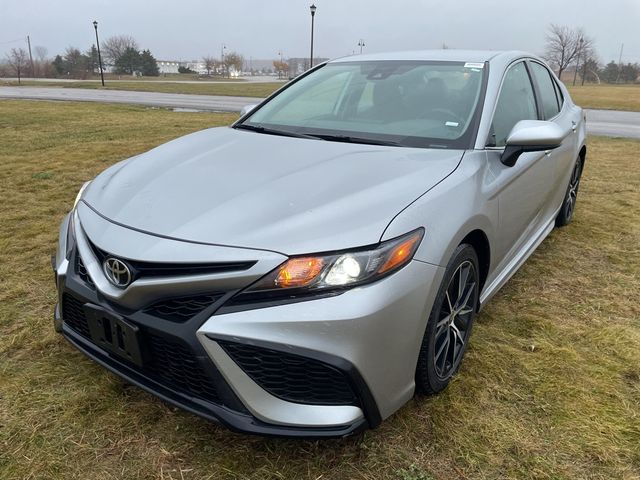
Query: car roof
[438,55]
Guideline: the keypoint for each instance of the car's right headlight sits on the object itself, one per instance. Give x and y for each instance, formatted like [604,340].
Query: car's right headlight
[323,273]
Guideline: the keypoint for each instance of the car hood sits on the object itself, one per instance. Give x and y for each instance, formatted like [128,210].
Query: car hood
[246,189]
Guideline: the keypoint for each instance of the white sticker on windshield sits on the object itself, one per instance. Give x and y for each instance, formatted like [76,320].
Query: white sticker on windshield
[451,124]
[474,65]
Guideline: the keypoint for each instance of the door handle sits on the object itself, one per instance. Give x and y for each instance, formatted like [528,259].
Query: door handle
[574,125]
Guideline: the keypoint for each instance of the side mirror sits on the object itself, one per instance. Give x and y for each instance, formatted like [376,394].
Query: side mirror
[247,108]
[531,136]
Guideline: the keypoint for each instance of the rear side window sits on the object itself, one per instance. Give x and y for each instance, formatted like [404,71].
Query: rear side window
[549,100]
[516,102]
[558,94]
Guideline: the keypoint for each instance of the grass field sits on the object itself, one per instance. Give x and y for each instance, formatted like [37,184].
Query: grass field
[241,89]
[550,387]
[607,97]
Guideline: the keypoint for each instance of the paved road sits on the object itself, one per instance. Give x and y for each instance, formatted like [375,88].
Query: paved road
[161,79]
[153,99]
[613,123]
[599,122]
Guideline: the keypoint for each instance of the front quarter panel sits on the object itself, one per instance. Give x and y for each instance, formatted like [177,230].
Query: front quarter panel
[463,202]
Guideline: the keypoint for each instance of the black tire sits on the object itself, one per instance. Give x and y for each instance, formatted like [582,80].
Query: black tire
[571,196]
[434,372]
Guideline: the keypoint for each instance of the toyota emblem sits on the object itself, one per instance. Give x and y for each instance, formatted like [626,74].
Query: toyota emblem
[117,272]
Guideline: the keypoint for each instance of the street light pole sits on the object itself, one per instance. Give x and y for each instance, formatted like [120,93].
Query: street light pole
[361,44]
[95,26]
[222,49]
[312,8]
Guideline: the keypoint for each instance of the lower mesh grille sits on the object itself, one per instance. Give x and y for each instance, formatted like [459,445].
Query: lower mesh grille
[182,309]
[169,362]
[175,365]
[74,316]
[292,377]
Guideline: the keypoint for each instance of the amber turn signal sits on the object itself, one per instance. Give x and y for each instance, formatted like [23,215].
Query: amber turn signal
[299,272]
[401,253]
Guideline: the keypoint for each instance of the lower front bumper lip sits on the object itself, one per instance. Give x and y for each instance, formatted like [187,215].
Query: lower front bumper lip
[216,413]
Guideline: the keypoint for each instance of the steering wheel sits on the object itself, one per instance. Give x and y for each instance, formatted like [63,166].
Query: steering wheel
[446,112]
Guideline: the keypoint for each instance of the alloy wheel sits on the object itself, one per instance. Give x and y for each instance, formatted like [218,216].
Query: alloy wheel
[572,194]
[455,318]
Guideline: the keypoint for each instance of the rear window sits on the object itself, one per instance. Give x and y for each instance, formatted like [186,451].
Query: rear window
[549,100]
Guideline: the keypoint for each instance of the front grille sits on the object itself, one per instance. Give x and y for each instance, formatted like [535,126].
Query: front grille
[292,377]
[182,309]
[175,365]
[168,362]
[81,271]
[153,269]
[74,316]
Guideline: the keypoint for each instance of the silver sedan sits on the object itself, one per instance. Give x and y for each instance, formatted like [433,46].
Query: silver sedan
[306,270]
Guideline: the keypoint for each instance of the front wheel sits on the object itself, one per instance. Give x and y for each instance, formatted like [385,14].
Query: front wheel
[569,203]
[449,325]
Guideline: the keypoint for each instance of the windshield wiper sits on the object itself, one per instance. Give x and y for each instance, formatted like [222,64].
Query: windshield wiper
[351,139]
[272,131]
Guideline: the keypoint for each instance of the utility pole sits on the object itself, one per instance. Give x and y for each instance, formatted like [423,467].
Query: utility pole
[620,63]
[30,57]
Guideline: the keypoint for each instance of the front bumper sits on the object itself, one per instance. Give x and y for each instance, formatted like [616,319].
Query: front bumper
[367,338]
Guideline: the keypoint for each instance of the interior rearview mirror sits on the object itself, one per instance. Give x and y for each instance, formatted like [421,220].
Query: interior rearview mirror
[247,108]
[531,136]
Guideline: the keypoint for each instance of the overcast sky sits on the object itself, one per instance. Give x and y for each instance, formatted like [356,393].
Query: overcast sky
[189,29]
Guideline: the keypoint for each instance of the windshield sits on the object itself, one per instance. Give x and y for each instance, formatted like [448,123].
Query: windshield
[416,104]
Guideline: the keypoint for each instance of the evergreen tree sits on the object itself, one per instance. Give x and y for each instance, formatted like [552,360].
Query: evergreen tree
[93,65]
[58,65]
[610,72]
[148,64]
[128,62]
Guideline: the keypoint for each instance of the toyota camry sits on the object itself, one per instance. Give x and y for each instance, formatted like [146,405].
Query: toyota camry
[306,270]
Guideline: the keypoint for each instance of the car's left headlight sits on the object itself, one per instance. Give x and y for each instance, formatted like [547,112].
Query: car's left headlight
[309,274]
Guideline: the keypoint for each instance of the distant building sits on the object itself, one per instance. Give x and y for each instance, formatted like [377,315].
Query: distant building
[197,67]
[301,65]
[168,66]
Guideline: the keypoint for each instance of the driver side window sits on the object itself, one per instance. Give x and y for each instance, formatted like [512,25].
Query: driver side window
[516,102]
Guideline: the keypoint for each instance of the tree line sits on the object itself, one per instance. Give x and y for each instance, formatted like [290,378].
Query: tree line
[570,51]
[121,54]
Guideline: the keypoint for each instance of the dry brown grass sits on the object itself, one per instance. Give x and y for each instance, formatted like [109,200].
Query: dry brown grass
[607,97]
[550,387]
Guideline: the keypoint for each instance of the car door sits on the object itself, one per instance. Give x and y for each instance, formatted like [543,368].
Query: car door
[553,109]
[522,190]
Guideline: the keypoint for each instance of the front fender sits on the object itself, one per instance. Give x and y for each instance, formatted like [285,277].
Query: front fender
[450,211]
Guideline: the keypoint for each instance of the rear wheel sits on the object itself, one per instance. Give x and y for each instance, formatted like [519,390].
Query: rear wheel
[569,203]
[449,325]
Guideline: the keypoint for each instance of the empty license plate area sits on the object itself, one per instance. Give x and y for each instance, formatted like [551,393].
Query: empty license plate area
[114,334]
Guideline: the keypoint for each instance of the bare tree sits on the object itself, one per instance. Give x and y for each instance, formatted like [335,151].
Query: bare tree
[281,67]
[234,60]
[18,61]
[114,47]
[209,63]
[563,46]
[41,52]
[41,59]
[586,56]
